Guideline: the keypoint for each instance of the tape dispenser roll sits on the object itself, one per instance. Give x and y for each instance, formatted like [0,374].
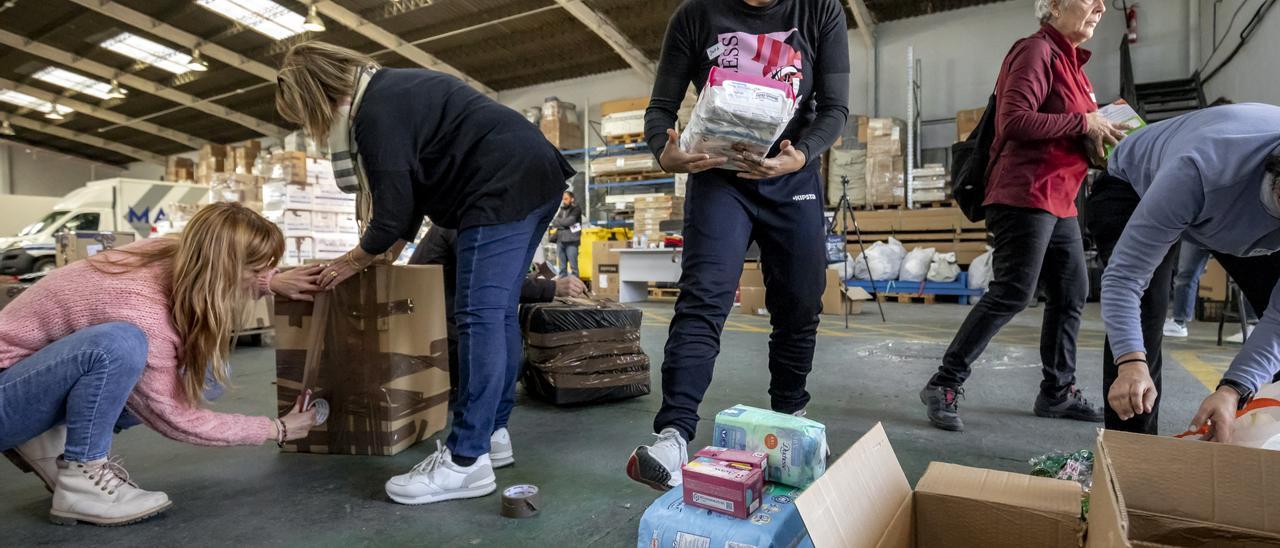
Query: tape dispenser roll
[521,501]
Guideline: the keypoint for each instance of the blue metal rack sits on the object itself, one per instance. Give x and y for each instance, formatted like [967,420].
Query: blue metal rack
[959,287]
[663,181]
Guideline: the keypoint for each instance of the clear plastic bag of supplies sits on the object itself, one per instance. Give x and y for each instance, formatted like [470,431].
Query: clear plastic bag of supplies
[738,113]
[943,268]
[882,261]
[981,272]
[915,266]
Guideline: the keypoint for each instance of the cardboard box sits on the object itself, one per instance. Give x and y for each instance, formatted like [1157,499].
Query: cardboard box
[299,250]
[796,446]
[967,121]
[621,124]
[288,167]
[1213,282]
[560,124]
[179,169]
[669,523]
[630,164]
[324,221]
[727,481]
[752,301]
[399,394]
[256,316]
[624,105]
[605,282]
[347,223]
[279,196]
[838,297]
[1163,491]
[332,245]
[73,246]
[864,500]
[296,223]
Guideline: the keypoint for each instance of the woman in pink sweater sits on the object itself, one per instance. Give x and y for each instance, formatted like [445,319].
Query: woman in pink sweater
[145,328]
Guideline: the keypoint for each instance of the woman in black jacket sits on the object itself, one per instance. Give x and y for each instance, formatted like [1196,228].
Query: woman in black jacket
[568,226]
[423,143]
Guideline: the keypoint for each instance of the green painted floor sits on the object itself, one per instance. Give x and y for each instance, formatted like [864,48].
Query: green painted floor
[870,372]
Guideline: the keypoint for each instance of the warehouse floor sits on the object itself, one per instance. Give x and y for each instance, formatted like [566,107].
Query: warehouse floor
[867,373]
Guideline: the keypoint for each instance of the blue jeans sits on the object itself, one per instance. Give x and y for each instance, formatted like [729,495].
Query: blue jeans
[569,259]
[1192,259]
[83,379]
[492,262]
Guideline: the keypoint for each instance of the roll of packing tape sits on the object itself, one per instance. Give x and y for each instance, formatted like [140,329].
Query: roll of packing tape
[521,501]
[322,411]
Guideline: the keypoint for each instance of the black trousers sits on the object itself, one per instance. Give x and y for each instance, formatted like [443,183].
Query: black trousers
[1111,204]
[723,215]
[1030,245]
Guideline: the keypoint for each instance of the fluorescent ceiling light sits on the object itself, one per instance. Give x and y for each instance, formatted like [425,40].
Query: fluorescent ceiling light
[151,53]
[264,16]
[26,101]
[75,82]
[313,22]
[197,64]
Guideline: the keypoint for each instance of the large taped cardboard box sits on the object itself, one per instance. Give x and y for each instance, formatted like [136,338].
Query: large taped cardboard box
[1163,491]
[383,364]
[864,501]
[838,297]
[73,246]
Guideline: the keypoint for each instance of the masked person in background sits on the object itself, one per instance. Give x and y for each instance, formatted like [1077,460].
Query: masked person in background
[1210,177]
[1047,126]
[138,332]
[775,202]
[422,142]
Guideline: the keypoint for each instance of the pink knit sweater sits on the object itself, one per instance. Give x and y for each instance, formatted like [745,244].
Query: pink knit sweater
[78,296]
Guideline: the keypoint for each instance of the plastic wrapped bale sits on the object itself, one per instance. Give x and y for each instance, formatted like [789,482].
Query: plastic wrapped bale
[738,112]
[777,524]
[581,352]
[797,447]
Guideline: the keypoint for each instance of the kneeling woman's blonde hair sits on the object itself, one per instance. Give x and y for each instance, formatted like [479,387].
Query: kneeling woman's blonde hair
[313,77]
[220,248]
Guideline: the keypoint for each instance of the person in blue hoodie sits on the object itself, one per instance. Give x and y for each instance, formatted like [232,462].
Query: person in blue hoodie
[1212,177]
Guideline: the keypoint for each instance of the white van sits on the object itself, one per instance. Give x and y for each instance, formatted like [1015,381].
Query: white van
[118,205]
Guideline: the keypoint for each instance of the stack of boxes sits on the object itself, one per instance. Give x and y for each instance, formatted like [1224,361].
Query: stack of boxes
[212,159]
[180,170]
[652,210]
[929,184]
[217,160]
[848,159]
[623,118]
[560,124]
[302,197]
[886,149]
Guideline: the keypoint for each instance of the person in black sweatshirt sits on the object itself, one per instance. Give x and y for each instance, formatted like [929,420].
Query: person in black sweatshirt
[568,234]
[775,203]
[420,143]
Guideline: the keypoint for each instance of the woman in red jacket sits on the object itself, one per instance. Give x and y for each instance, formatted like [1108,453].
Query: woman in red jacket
[1047,129]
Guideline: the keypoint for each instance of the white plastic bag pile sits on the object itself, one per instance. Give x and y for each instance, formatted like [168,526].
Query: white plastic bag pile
[738,112]
[943,268]
[915,266]
[980,272]
[883,259]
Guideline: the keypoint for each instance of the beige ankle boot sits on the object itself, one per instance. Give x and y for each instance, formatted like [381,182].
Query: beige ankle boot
[100,493]
[39,455]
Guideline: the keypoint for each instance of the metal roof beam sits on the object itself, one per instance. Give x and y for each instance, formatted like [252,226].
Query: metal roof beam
[387,39]
[141,84]
[91,140]
[607,31]
[105,114]
[178,36]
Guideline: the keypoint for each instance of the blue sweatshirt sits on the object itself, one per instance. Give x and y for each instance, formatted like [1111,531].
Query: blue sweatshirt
[1200,175]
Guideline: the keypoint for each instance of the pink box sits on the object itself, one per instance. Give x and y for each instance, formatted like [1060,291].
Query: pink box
[727,481]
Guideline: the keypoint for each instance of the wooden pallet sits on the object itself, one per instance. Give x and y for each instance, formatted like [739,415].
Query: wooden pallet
[631,177]
[664,293]
[627,139]
[906,298]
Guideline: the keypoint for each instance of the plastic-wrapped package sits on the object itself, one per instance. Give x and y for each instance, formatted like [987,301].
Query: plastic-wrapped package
[777,524]
[796,446]
[915,266]
[883,259]
[738,113]
[579,351]
[1077,466]
[943,268]
[981,272]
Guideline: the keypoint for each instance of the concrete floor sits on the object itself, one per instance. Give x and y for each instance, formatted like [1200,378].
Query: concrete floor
[870,372]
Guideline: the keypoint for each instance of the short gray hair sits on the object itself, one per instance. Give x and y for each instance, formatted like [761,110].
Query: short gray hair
[1044,10]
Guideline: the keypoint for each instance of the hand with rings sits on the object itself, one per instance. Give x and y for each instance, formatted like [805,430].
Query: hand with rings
[341,269]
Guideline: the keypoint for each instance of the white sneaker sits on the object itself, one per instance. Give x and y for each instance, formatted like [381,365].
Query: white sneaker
[39,455]
[438,479]
[660,465]
[1174,329]
[100,493]
[500,451]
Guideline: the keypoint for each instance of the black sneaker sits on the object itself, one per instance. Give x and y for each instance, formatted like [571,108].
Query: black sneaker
[942,407]
[1072,406]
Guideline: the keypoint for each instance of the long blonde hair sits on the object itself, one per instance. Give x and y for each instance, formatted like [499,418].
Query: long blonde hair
[313,77]
[209,259]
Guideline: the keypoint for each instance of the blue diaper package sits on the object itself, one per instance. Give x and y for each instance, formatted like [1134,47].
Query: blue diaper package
[797,447]
[668,522]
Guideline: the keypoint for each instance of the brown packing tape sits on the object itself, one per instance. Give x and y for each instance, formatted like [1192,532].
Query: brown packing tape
[620,377]
[586,336]
[521,501]
[580,351]
[592,364]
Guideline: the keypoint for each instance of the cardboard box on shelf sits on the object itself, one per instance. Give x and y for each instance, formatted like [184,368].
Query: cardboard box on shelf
[347,223]
[179,169]
[333,245]
[243,158]
[256,315]
[1156,490]
[296,223]
[629,164]
[399,394]
[277,196]
[621,124]
[727,481]
[967,121]
[299,250]
[324,221]
[796,446]
[73,246]
[624,105]
[864,499]
[288,167]
[885,180]
[560,124]
[1213,282]
[231,187]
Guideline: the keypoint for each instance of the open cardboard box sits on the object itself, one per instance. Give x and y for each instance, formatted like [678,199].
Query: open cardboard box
[864,500]
[1163,491]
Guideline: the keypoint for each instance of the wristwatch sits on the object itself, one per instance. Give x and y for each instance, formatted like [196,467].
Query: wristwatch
[1245,393]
